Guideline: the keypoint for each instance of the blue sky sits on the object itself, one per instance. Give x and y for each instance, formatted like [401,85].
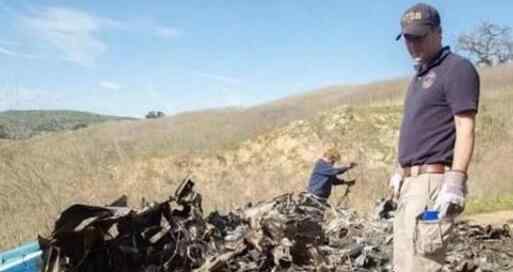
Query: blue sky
[129,57]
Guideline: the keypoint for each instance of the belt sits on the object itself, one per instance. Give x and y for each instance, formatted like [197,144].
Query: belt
[416,170]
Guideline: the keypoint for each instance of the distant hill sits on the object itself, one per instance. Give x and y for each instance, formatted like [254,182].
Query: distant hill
[17,125]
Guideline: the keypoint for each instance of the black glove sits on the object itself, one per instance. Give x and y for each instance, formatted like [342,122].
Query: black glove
[349,182]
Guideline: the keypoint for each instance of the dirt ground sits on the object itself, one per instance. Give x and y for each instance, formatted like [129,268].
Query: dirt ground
[493,218]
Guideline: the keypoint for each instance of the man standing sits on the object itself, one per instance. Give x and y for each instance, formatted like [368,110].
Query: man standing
[436,137]
[324,175]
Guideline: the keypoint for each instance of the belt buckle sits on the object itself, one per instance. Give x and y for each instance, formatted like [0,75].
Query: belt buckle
[415,171]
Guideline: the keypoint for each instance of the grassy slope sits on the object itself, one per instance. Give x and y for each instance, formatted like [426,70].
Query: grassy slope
[41,176]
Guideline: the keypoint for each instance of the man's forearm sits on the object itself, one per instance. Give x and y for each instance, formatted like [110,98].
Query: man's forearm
[464,146]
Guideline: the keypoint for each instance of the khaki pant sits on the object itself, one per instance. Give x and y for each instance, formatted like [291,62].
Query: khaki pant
[416,193]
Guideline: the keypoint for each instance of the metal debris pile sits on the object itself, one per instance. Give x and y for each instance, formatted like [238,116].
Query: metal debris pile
[480,248]
[298,233]
[292,232]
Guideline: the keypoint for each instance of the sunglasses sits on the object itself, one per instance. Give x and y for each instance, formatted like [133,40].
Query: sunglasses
[416,38]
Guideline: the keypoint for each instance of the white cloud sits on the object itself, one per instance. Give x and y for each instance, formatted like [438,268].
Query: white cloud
[148,26]
[166,32]
[221,78]
[12,53]
[75,33]
[109,85]
[71,31]
[7,52]
[26,98]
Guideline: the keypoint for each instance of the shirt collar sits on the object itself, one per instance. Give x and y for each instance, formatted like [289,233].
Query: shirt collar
[439,57]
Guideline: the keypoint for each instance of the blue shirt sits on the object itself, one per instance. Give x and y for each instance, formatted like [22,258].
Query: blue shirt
[448,86]
[323,176]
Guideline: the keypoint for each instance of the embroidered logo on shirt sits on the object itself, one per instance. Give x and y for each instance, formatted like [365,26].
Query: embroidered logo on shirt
[428,80]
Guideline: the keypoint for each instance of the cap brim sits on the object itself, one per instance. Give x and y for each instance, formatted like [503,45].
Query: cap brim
[414,30]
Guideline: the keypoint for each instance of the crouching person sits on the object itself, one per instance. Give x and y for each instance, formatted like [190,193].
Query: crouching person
[324,176]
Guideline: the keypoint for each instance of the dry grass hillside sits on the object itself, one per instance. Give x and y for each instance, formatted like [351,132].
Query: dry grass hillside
[279,161]
[239,155]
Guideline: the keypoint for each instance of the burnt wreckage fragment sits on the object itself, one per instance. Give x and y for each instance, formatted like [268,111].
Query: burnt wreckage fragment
[291,232]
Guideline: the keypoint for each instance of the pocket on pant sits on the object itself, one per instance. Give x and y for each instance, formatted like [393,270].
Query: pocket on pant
[431,236]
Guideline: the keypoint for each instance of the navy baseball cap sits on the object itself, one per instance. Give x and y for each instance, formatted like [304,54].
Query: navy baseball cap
[418,20]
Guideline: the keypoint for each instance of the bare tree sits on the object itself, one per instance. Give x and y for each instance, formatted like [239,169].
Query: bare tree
[489,44]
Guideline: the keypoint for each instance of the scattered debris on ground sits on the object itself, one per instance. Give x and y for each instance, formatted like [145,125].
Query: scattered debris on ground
[292,232]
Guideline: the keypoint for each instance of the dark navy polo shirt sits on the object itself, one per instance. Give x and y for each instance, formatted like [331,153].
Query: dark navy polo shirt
[323,177]
[448,86]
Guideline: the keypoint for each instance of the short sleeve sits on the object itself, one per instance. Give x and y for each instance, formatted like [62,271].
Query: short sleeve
[462,88]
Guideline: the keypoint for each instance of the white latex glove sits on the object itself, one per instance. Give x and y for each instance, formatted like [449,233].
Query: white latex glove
[395,183]
[451,198]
